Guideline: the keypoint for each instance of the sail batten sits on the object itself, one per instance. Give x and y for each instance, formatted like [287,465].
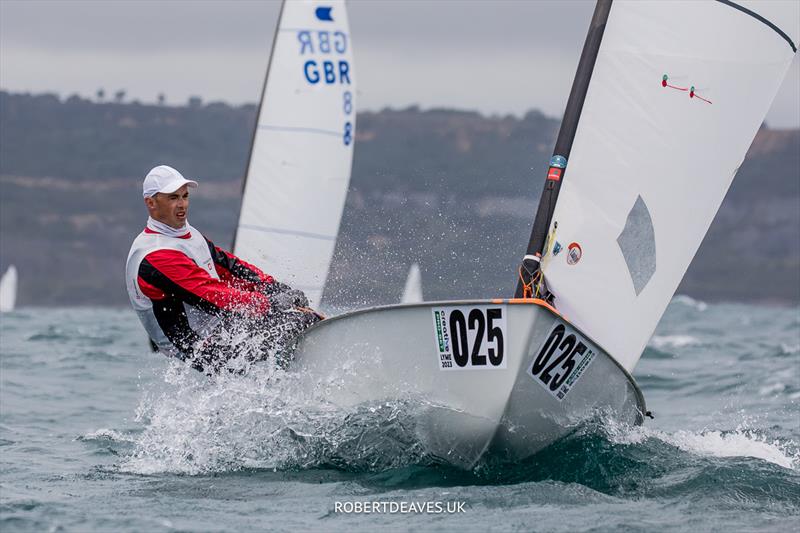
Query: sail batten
[299,168]
[677,93]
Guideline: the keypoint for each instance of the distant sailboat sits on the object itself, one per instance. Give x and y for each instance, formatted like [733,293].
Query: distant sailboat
[665,102]
[8,290]
[302,153]
[412,292]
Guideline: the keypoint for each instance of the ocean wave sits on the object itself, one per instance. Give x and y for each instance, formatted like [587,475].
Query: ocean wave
[682,299]
[106,435]
[772,388]
[789,349]
[740,442]
[262,421]
[660,342]
[265,420]
[269,419]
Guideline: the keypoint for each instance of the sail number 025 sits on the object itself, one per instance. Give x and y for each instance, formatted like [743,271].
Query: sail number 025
[561,361]
[470,337]
[485,328]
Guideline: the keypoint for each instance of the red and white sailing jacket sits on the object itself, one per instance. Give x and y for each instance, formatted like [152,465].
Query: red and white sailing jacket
[180,286]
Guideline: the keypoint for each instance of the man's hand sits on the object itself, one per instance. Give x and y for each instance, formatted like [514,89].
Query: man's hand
[274,288]
[298,297]
[281,302]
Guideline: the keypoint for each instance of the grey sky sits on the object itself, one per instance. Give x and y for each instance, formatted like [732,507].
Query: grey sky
[493,56]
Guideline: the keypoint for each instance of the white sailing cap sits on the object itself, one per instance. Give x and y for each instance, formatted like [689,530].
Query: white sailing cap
[164,179]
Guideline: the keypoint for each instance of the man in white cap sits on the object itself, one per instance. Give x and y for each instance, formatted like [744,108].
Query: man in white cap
[192,297]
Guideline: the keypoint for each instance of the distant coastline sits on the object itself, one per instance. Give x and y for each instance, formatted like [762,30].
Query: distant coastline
[452,190]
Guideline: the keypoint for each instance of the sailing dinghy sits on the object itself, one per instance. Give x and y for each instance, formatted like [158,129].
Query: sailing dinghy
[665,102]
[8,290]
[302,152]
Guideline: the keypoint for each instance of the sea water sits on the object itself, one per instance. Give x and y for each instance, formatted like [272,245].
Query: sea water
[96,433]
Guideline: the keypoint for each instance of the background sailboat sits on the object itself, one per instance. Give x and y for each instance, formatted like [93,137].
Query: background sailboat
[8,290]
[302,152]
[651,165]
[412,291]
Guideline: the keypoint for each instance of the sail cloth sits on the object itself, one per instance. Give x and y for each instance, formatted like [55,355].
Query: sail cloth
[677,94]
[302,153]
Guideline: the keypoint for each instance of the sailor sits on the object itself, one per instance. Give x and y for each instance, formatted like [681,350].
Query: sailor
[198,302]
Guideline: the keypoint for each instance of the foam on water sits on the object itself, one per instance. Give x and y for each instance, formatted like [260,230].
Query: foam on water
[673,341]
[789,349]
[772,388]
[741,442]
[265,419]
[682,299]
[738,443]
[270,419]
[106,434]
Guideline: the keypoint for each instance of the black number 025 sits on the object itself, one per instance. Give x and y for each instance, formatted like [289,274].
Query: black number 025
[483,325]
[568,347]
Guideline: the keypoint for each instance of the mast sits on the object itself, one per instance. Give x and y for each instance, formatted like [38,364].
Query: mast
[558,163]
[255,125]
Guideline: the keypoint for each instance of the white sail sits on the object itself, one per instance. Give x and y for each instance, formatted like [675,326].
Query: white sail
[8,290]
[300,164]
[412,292]
[677,94]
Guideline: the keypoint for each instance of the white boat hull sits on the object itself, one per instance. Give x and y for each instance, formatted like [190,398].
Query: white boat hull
[487,406]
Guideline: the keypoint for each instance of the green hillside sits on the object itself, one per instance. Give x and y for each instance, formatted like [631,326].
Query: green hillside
[452,190]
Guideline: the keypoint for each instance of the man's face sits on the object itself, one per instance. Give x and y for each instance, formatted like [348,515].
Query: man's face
[171,209]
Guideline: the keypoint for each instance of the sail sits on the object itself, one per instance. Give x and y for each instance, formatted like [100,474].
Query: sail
[301,158]
[412,292]
[677,93]
[8,290]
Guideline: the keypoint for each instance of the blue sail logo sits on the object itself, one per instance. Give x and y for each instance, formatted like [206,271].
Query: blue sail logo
[324,13]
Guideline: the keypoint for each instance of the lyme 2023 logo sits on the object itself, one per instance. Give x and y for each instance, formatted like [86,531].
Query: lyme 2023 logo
[470,338]
[561,360]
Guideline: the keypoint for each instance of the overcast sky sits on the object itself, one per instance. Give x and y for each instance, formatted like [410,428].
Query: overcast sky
[492,56]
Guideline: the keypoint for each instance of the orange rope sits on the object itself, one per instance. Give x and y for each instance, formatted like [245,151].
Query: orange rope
[527,288]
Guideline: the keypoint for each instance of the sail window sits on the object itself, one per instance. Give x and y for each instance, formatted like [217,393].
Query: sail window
[638,244]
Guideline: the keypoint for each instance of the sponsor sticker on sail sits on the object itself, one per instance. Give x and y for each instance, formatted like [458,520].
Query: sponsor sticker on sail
[574,253]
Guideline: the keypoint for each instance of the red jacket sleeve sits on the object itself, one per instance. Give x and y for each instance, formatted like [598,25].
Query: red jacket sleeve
[239,273]
[172,272]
